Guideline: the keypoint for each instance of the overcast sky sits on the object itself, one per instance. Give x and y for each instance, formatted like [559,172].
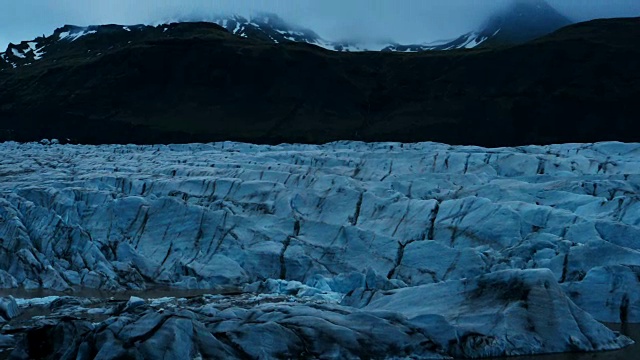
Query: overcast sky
[405,21]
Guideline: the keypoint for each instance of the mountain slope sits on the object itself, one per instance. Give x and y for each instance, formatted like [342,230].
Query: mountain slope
[197,82]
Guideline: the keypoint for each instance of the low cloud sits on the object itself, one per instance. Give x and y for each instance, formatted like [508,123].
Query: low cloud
[404,21]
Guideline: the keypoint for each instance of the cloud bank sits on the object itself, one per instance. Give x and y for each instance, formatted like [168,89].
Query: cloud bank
[405,21]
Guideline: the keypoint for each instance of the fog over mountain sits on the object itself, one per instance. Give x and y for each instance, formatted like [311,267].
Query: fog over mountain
[365,20]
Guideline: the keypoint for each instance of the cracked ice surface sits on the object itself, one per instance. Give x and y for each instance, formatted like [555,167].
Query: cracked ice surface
[342,218]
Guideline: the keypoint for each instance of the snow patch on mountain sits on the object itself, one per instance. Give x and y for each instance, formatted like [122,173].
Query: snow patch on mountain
[75,35]
[17,53]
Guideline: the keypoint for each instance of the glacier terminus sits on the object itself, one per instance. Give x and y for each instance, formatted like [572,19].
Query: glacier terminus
[342,250]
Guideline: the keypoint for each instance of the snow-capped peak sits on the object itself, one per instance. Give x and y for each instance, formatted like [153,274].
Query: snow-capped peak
[522,21]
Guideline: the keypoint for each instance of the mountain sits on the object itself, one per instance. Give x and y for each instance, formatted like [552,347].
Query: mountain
[524,20]
[197,82]
[521,21]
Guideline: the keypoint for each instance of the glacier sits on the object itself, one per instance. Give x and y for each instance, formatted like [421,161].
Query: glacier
[342,250]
